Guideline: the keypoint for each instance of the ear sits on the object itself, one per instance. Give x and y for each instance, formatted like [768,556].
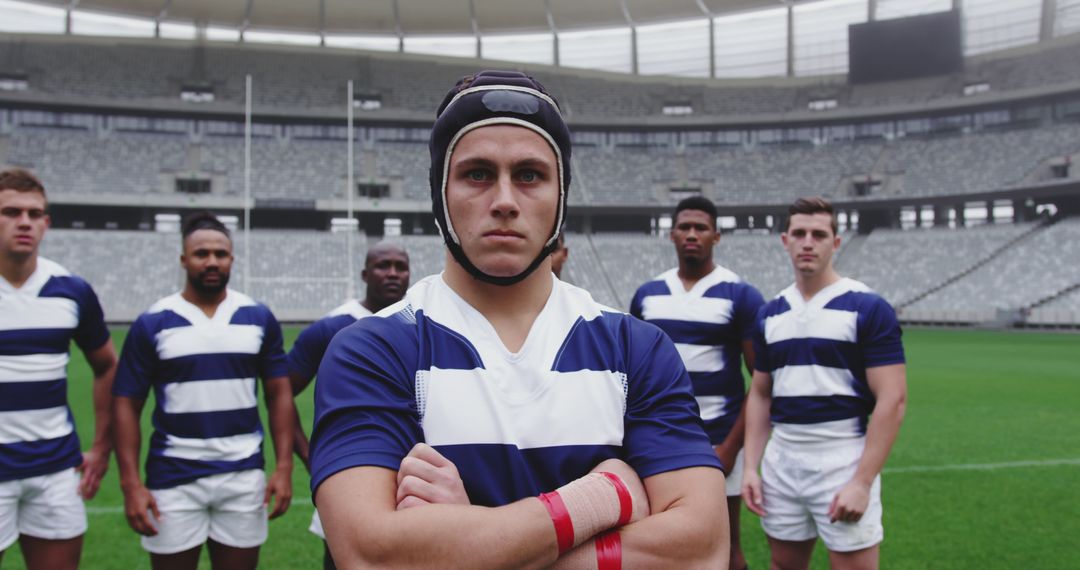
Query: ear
[363,275]
[836,242]
[48,221]
[784,238]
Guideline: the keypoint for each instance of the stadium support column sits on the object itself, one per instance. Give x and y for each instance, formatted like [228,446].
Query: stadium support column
[712,37]
[871,10]
[67,15]
[475,29]
[247,185]
[790,40]
[349,199]
[554,33]
[633,37]
[1046,23]
[397,30]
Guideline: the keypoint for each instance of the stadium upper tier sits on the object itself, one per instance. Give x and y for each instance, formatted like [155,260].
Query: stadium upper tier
[960,275]
[120,165]
[312,82]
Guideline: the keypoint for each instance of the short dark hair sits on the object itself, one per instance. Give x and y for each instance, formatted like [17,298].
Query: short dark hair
[20,180]
[812,205]
[202,221]
[696,203]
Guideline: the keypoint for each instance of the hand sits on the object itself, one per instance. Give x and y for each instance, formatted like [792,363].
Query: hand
[850,503]
[279,485]
[138,504]
[727,451]
[751,492]
[633,484]
[93,467]
[427,478]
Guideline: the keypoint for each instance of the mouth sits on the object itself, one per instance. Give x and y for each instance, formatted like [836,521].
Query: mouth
[503,235]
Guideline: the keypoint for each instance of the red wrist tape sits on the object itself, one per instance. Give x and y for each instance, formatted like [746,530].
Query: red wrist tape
[609,551]
[560,517]
[626,503]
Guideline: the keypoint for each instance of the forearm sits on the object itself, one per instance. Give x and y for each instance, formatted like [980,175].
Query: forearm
[881,432]
[127,439]
[281,410]
[756,422]
[103,414]
[518,535]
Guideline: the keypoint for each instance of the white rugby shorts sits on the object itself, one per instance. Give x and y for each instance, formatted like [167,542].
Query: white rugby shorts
[227,508]
[316,526]
[799,482]
[733,484]
[46,506]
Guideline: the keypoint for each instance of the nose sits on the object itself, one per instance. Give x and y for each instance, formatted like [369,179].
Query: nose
[504,202]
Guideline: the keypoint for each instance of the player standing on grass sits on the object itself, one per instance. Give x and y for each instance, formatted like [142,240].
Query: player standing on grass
[386,276]
[201,351]
[42,309]
[495,384]
[708,312]
[828,357]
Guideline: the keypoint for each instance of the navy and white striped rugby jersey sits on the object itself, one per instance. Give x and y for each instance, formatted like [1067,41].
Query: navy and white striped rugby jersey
[308,350]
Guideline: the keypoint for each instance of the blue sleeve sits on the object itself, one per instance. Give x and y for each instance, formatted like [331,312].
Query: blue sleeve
[761,348]
[308,350]
[138,362]
[879,335]
[272,355]
[750,302]
[663,430]
[91,333]
[365,400]
[635,304]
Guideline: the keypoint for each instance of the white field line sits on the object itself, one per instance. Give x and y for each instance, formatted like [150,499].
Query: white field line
[305,502]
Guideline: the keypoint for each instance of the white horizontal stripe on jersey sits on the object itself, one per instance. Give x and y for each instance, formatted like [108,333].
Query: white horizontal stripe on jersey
[812,380]
[34,425]
[210,396]
[701,358]
[681,308]
[829,324]
[231,448]
[823,431]
[209,339]
[711,407]
[585,407]
[33,367]
[31,313]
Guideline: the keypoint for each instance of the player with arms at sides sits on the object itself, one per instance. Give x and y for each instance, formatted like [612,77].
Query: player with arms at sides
[468,425]
[201,351]
[43,308]
[709,313]
[386,276]
[828,359]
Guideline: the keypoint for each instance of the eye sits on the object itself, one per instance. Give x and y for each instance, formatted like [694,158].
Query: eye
[477,175]
[529,176]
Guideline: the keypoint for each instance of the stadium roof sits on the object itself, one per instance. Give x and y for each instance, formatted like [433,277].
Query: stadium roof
[422,17]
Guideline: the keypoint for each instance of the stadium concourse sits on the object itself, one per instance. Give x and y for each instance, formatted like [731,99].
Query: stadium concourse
[949,187]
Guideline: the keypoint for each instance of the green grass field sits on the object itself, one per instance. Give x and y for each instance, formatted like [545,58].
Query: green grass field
[986,472]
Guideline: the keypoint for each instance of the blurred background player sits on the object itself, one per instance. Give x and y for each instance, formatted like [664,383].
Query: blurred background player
[201,351]
[43,308]
[709,313]
[558,257]
[828,356]
[386,276]
[500,377]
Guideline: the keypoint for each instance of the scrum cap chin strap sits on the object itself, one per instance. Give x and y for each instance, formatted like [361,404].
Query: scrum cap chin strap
[496,98]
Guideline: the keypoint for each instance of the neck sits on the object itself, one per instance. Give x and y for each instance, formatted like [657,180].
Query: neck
[510,309]
[16,270]
[810,284]
[690,273]
[207,302]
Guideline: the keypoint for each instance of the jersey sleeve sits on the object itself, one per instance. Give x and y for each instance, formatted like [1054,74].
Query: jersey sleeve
[91,333]
[365,401]
[635,304]
[879,335]
[308,350]
[663,428]
[272,355]
[761,348]
[138,362]
[750,302]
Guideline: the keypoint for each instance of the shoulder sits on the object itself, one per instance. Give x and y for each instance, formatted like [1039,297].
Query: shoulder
[59,282]
[248,311]
[163,314]
[857,296]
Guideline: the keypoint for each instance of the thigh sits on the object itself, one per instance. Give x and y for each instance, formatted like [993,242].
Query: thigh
[185,560]
[224,557]
[45,554]
[787,517]
[791,555]
[51,507]
[845,536]
[184,522]
[865,559]
[238,516]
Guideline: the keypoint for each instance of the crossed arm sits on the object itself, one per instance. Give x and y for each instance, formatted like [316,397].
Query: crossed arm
[369,520]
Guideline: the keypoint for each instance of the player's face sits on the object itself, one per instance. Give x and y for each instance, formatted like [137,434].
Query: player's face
[810,242]
[694,235]
[207,259]
[502,193]
[23,222]
[387,277]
